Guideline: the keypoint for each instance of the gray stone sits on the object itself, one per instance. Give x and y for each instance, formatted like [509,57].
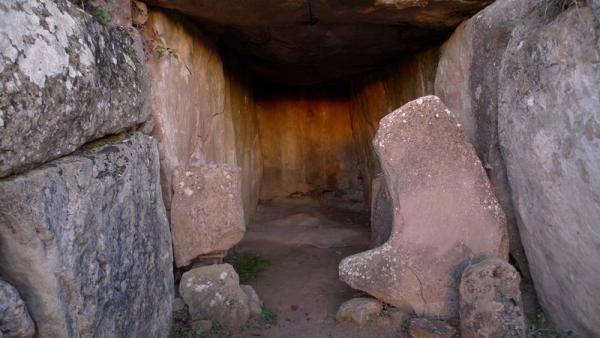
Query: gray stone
[359,310]
[207,213]
[549,123]
[445,213]
[65,79]
[490,301]
[15,321]
[213,292]
[86,241]
[254,302]
[382,215]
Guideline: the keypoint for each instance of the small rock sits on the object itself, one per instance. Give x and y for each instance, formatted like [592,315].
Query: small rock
[254,303]
[430,328]
[14,317]
[139,13]
[490,301]
[201,326]
[359,310]
[214,292]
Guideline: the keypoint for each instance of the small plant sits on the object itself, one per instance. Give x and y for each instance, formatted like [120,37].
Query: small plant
[267,315]
[102,16]
[163,50]
[248,266]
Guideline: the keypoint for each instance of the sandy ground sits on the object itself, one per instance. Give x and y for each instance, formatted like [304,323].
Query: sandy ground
[304,240]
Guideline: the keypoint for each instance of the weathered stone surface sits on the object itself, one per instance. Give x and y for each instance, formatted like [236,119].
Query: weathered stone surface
[15,321]
[490,301]
[65,80]
[214,292]
[254,302]
[382,215]
[359,310]
[118,12]
[430,328]
[467,82]
[305,42]
[86,241]
[207,214]
[445,212]
[306,140]
[549,122]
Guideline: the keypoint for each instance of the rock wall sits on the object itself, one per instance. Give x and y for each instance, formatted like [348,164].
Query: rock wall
[306,140]
[85,240]
[65,80]
[372,98]
[521,76]
[203,111]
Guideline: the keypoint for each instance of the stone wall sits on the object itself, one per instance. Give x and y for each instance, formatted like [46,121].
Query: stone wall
[306,140]
[522,76]
[203,110]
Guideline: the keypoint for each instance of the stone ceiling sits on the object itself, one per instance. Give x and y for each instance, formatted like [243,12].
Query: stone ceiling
[312,41]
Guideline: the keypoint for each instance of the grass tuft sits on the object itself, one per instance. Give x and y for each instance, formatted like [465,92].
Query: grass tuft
[248,266]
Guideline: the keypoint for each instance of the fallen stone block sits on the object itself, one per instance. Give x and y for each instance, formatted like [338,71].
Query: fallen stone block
[85,240]
[207,214]
[445,213]
[359,310]
[490,301]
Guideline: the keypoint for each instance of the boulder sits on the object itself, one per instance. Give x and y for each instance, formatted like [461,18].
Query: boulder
[490,301]
[445,213]
[207,214]
[15,321]
[65,80]
[213,292]
[359,310]
[430,328]
[549,125]
[86,242]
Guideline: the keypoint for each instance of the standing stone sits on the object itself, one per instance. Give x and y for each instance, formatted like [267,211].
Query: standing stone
[445,213]
[65,80]
[549,127]
[207,213]
[86,241]
[490,301]
[213,292]
[15,321]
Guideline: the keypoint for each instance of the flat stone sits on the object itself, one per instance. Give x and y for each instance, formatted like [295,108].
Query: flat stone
[14,317]
[207,214]
[445,213]
[65,80]
[86,241]
[359,310]
[490,301]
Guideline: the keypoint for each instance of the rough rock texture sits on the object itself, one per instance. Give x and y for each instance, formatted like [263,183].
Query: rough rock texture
[254,302]
[372,98]
[86,241]
[118,11]
[214,292]
[203,110]
[65,80]
[306,139]
[467,82]
[490,301]
[549,122]
[207,215]
[445,213]
[15,321]
[359,310]
[430,328]
[305,42]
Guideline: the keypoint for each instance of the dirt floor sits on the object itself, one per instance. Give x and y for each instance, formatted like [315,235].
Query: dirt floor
[304,241]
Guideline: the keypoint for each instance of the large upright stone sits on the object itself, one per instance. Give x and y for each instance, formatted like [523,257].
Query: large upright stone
[207,215]
[549,123]
[86,242]
[15,321]
[445,213]
[65,79]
